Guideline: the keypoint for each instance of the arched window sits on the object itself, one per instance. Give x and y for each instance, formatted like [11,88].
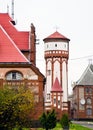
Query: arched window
[14,75]
[89,111]
[88,100]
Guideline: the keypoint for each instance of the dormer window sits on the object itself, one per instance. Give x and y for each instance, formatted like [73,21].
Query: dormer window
[14,75]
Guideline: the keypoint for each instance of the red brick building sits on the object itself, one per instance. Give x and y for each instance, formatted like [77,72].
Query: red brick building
[82,101]
[18,60]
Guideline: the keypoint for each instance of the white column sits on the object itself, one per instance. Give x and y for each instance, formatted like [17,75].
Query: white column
[49,79]
[56,70]
[64,82]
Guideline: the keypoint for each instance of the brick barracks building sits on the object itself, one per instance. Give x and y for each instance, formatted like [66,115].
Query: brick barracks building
[18,60]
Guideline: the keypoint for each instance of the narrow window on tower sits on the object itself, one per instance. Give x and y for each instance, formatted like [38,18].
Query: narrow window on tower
[55,45]
[48,72]
[48,96]
[58,103]
[65,45]
[54,102]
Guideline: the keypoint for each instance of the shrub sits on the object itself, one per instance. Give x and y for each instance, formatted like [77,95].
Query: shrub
[64,121]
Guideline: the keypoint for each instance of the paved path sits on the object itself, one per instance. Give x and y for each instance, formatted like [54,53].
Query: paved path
[84,123]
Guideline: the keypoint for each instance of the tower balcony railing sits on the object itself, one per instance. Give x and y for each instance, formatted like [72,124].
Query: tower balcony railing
[56,53]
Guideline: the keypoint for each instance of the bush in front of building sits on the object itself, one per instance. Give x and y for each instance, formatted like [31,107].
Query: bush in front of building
[48,120]
[65,123]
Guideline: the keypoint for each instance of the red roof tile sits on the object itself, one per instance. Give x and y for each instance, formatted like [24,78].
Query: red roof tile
[56,86]
[9,52]
[57,35]
[21,39]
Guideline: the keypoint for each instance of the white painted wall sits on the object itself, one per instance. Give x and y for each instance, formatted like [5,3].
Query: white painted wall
[56,46]
[56,70]
[50,46]
[64,82]
[49,77]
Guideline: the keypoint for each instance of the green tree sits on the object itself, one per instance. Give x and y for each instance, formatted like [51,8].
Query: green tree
[48,120]
[65,122]
[15,107]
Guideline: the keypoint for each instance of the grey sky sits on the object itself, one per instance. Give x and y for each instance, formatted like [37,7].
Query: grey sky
[74,19]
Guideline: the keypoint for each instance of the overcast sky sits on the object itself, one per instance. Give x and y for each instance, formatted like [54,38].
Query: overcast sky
[72,18]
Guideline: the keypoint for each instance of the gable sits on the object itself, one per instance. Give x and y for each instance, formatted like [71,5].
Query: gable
[87,76]
[21,39]
[9,52]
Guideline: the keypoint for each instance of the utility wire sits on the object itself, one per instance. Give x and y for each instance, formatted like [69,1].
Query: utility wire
[79,58]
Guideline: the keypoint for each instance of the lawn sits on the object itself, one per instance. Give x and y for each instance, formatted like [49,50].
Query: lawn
[78,127]
[58,127]
[72,127]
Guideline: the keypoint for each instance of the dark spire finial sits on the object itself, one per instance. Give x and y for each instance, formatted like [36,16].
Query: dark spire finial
[12,9]
[32,28]
[7,8]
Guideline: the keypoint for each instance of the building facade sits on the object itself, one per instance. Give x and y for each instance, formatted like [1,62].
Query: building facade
[56,58]
[18,61]
[82,101]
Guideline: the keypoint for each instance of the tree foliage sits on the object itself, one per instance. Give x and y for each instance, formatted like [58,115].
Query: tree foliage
[15,107]
[48,120]
[64,121]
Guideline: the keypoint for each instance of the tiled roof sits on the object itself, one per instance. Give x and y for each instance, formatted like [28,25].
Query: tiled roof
[57,35]
[87,76]
[56,86]
[21,39]
[9,52]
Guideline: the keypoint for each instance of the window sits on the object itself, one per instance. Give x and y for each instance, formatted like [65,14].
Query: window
[48,96]
[36,98]
[54,101]
[14,75]
[88,101]
[89,111]
[88,90]
[58,103]
[48,72]
[55,45]
[65,45]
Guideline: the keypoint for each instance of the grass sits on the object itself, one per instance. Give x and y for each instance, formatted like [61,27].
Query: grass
[78,127]
[58,127]
[72,127]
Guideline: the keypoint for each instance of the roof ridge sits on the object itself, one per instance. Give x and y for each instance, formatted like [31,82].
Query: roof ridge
[83,74]
[86,71]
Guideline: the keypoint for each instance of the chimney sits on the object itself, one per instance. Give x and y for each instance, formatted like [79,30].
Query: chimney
[33,45]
